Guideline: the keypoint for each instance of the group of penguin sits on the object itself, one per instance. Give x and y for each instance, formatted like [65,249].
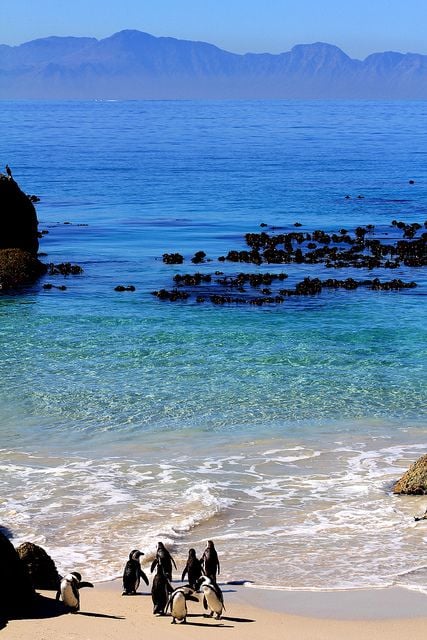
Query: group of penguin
[201,578]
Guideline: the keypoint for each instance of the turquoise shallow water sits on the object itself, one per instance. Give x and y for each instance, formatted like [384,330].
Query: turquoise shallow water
[272,430]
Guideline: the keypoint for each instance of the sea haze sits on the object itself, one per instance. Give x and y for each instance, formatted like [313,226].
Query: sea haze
[133,65]
[276,431]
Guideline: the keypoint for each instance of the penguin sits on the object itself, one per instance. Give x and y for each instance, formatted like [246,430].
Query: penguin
[164,557]
[160,590]
[210,562]
[69,590]
[212,596]
[133,573]
[9,172]
[193,568]
[178,603]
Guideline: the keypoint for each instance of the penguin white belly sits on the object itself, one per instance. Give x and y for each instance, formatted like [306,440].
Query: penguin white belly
[214,603]
[179,607]
[68,596]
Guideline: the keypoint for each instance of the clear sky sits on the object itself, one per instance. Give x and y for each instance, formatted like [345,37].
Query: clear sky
[359,27]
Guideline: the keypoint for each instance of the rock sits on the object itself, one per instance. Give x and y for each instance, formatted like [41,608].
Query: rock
[18,218]
[40,566]
[18,267]
[414,481]
[18,236]
[16,590]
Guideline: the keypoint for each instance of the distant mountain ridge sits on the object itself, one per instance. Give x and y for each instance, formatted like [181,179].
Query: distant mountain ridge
[136,65]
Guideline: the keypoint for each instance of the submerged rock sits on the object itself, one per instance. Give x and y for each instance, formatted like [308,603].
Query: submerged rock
[40,566]
[18,267]
[414,481]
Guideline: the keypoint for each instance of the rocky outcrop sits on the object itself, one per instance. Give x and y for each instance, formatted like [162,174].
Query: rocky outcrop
[40,566]
[18,236]
[414,481]
[18,226]
[16,590]
[18,267]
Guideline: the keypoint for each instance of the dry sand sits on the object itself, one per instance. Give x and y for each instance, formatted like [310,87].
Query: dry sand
[387,614]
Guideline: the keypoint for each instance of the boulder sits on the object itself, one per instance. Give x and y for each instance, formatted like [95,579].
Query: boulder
[40,566]
[18,227]
[414,481]
[18,236]
[16,590]
[18,267]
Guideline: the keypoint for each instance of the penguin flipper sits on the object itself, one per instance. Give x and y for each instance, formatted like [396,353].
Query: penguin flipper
[58,594]
[144,577]
[174,563]
[85,584]
[184,573]
[153,565]
[193,598]
[205,604]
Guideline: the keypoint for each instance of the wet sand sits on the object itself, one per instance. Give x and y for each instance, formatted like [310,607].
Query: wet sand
[251,613]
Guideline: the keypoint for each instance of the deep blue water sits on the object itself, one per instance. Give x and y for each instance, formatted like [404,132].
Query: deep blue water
[94,373]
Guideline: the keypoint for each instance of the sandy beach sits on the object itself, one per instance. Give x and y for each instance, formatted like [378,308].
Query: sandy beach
[250,613]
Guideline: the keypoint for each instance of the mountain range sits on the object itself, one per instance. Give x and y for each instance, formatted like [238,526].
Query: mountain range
[136,65]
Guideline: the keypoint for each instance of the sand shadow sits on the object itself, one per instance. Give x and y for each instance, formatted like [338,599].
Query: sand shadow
[90,614]
[237,619]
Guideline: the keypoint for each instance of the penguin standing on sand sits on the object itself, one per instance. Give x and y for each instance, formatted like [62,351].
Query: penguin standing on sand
[212,596]
[164,558]
[160,590]
[69,590]
[133,573]
[193,568]
[210,562]
[178,603]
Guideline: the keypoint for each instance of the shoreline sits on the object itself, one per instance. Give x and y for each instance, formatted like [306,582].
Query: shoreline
[376,614]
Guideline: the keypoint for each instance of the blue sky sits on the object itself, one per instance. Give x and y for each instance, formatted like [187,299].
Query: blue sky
[358,27]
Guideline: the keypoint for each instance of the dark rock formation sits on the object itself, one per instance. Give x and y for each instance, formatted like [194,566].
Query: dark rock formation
[40,566]
[18,217]
[18,236]
[414,481]
[18,267]
[16,590]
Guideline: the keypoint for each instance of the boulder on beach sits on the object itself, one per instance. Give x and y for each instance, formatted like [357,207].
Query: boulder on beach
[414,481]
[16,590]
[40,566]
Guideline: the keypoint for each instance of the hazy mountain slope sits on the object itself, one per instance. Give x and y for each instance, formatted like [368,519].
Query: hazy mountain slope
[133,64]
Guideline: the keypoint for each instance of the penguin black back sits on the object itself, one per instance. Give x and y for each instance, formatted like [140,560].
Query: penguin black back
[160,590]
[193,568]
[164,558]
[210,562]
[132,573]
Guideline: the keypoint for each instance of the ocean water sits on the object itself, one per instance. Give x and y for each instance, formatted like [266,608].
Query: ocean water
[275,431]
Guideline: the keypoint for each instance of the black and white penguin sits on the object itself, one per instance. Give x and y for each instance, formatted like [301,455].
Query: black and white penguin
[212,596]
[164,558]
[210,562]
[193,568]
[9,172]
[160,590]
[178,603]
[69,590]
[133,573]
